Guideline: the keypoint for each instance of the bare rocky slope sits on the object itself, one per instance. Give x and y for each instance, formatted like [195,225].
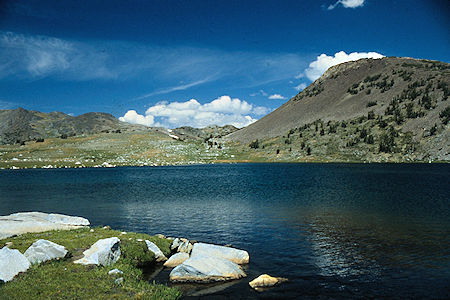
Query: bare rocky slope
[409,95]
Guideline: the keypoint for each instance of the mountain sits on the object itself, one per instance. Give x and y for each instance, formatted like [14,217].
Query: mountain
[20,125]
[404,98]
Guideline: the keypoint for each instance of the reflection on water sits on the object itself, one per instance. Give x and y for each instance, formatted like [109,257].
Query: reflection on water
[336,231]
[348,245]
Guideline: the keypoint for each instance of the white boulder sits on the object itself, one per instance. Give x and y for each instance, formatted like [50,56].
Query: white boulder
[20,223]
[175,244]
[43,250]
[232,254]
[265,280]
[185,246]
[159,256]
[12,262]
[206,269]
[104,252]
[176,259]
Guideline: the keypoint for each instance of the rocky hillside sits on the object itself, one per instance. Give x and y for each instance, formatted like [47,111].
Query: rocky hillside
[389,105]
[20,125]
[187,132]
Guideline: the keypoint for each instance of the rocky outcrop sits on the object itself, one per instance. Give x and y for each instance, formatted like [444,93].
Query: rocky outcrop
[21,223]
[43,250]
[206,269]
[12,262]
[159,256]
[235,255]
[176,259]
[264,281]
[104,252]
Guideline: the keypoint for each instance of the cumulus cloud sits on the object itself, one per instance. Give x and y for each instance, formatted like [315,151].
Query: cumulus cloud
[323,62]
[133,117]
[276,97]
[347,4]
[221,111]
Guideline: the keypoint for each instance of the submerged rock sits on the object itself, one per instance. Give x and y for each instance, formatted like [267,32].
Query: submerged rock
[43,250]
[265,281]
[12,262]
[20,223]
[104,252]
[159,256]
[176,259]
[206,269]
[232,254]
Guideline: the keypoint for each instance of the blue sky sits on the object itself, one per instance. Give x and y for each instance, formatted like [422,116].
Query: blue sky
[173,63]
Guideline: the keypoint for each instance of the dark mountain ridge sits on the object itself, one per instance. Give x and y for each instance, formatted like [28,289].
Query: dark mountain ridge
[20,125]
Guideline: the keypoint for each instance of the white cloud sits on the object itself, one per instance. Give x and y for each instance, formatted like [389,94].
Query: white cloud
[173,89]
[133,117]
[35,56]
[276,97]
[347,4]
[323,62]
[301,86]
[41,56]
[221,111]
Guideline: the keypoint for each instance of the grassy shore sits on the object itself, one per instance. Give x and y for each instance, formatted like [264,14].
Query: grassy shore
[62,279]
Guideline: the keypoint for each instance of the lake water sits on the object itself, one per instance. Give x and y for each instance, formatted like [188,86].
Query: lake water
[334,230]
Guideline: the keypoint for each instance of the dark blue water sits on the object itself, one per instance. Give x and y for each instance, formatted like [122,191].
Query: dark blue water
[335,230]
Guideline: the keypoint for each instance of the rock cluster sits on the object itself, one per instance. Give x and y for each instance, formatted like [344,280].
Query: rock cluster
[206,263]
[191,262]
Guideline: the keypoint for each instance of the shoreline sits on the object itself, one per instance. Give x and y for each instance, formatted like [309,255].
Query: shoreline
[183,164]
[134,268]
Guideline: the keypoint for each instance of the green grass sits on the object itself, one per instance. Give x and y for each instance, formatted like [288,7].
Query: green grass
[62,279]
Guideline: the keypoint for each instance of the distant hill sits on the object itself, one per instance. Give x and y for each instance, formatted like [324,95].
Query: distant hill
[403,97]
[20,125]
[214,131]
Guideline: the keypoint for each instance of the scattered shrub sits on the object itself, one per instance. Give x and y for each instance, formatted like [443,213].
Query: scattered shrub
[445,115]
[254,144]
[371,103]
